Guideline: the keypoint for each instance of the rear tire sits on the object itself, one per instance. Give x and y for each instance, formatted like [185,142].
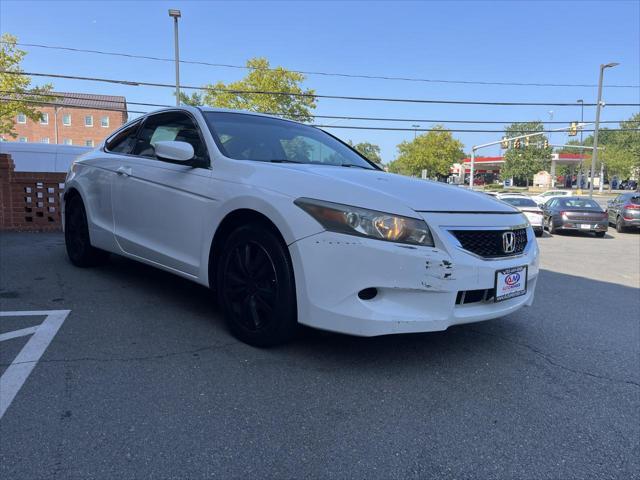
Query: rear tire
[600,234]
[620,228]
[552,226]
[256,287]
[76,236]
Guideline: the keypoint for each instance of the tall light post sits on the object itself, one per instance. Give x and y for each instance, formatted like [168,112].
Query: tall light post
[176,15]
[579,175]
[415,131]
[594,157]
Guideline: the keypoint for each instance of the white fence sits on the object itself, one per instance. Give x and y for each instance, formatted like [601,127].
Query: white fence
[42,157]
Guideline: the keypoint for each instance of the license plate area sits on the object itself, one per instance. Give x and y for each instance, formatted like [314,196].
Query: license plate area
[510,283]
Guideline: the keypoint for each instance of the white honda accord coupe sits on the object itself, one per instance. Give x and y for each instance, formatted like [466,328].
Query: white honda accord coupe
[288,224]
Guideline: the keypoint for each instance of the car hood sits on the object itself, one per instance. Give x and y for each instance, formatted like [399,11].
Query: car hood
[377,189]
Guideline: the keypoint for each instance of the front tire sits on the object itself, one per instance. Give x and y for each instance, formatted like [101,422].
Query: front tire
[552,226]
[76,236]
[256,287]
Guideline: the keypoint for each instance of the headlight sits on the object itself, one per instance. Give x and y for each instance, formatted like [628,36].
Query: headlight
[363,222]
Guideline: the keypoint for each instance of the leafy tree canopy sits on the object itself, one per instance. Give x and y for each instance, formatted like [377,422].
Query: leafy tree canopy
[434,151]
[522,163]
[369,150]
[17,96]
[621,153]
[261,78]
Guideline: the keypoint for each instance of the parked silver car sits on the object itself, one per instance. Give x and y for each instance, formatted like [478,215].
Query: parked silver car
[530,209]
[624,211]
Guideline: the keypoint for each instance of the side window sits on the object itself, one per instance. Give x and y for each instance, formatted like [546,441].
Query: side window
[123,141]
[169,126]
[552,203]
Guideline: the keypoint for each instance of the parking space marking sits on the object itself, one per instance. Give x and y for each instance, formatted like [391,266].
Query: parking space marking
[41,335]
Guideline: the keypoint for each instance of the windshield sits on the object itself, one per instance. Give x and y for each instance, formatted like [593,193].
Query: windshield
[578,203]
[253,137]
[520,201]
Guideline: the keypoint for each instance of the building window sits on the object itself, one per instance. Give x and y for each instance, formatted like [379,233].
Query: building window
[44,119]
[23,139]
[66,119]
[88,121]
[88,143]
[104,122]
[22,118]
[44,140]
[67,141]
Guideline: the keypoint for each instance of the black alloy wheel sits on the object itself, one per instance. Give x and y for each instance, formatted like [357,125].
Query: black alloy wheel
[620,228]
[256,287]
[76,236]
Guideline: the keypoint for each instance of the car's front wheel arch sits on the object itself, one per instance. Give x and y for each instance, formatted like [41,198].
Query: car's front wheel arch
[232,221]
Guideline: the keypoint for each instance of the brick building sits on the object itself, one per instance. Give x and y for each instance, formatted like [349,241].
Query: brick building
[77,119]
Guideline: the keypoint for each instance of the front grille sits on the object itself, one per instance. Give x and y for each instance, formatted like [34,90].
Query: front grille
[490,243]
[465,297]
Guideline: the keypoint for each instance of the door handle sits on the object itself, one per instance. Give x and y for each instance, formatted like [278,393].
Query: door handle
[124,171]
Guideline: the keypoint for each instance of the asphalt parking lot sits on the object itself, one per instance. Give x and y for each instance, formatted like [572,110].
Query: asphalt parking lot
[142,380]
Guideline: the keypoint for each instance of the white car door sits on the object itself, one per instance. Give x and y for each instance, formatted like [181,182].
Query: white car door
[98,187]
[160,207]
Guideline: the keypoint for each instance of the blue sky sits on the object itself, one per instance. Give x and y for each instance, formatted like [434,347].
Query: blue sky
[549,42]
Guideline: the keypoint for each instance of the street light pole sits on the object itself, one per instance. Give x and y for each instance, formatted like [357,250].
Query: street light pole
[579,175]
[176,15]
[594,157]
[415,131]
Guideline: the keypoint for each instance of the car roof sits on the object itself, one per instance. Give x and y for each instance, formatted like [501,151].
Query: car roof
[192,109]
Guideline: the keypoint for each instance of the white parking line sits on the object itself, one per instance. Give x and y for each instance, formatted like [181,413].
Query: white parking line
[17,373]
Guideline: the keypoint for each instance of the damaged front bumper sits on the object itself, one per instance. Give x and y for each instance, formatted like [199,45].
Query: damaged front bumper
[417,289]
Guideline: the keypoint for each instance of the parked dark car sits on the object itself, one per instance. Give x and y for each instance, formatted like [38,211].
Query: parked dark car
[575,213]
[628,185]
[624,211]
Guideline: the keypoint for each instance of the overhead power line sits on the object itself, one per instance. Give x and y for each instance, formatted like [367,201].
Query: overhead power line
[329,117]
[328,74]
[314,95]
[407,129]
[354,127]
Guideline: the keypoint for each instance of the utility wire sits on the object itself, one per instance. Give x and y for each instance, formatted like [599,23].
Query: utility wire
[313,95]
[328,74]
[331,117]
[354,127]
[407,129]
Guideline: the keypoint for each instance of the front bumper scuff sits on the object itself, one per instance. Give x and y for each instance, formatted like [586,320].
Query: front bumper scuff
[417,286]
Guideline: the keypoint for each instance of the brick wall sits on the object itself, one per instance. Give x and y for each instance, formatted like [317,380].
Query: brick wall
[29,201]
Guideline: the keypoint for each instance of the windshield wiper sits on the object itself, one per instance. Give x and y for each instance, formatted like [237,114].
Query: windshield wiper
[350,165]
[282,160]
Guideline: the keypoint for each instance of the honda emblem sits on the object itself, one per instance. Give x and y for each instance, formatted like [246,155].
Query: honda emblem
[508,242]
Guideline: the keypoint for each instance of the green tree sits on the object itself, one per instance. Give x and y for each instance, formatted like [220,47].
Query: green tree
[262,78]
[621,153]
[434,151]
[194,99]
[17,95]
[522,163]
[369,150]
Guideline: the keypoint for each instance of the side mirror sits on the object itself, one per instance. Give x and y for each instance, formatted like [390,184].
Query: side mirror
[174,151]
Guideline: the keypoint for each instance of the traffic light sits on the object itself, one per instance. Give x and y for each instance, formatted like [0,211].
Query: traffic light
[517,144]
[526,141]
[504,144]
[545,144]
[573,129]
